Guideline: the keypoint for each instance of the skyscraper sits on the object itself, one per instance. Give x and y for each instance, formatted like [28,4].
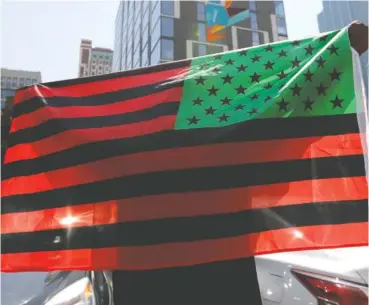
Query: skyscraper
[338,14]
[153,32]
[94,61]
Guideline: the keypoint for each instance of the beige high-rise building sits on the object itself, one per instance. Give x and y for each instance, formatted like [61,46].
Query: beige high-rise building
[94,61]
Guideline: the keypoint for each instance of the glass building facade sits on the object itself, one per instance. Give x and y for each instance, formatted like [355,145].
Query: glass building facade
[153,32]
[338,14]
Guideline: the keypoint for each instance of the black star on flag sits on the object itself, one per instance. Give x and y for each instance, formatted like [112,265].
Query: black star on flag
[268,98]
[308,104]
[282,53]
[296,90]
[337,102]
[227,79]
[226,101]
[253,111]
[255,77]
[197,101]
[321,62]
[282,75]
[321,89]
[193,120]
[269,65]
[223,118]
[295,62]
[241,90]
[200,80]
[213,91]
[295,43]
[241,68]
[308,76]
[254,97]
[335,75]
[216,70]
[268,86]
[283,105]
[210,110]
[332,49]
[218,56]
[243,53]
[229,62]
[269,48]
[255,58]
[239,107]
[309,50]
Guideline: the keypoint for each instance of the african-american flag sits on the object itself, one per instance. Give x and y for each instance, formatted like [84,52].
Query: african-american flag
[186,165]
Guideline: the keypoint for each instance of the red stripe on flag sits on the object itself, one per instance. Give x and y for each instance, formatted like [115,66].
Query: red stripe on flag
[47,113]
[188,204]
[187,157]
[75,137]
[191,253]
[99,87]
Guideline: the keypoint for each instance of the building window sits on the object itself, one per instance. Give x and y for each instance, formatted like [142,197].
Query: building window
[213,49]
[279,8]
[28,81]
[155,54]
[155,15]
[167,26]
[15,82]
[281,26]
[34,81]
[93,73]
[3,81]
[81,71]
[202,49]
[145,17]
[137,10]
[201,32]
[85,56]
[255,38]
[93,67]
[254,21]
[145,54]
[167,8]
[155,35]
[145,5]
[200,11]
[167,49]
[145,35]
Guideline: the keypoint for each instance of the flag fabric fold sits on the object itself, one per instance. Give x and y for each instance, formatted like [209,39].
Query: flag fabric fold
[215,159]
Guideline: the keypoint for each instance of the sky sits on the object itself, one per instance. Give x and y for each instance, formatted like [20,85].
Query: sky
[45,35]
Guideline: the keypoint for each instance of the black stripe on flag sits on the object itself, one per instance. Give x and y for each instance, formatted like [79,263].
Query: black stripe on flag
[187,180]
[253,130]
[93,100]
[55,126]
[188,229]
